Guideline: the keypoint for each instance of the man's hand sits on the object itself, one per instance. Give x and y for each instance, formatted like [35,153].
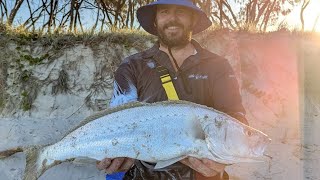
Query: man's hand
[115,165]
[206,167]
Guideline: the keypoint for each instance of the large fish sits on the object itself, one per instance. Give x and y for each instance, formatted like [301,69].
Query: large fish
[162,133]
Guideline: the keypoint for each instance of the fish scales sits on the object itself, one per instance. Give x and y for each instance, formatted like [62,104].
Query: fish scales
[162,133]
[128,133]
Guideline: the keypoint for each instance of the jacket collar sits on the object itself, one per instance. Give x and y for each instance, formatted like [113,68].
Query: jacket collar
[163,59]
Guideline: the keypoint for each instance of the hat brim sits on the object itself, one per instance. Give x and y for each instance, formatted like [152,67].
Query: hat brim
[146,15]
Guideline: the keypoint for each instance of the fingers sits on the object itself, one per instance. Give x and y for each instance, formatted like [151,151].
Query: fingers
[115,165]
[206,167]
[202,168]
[214,165]
[127,164]
[104,163]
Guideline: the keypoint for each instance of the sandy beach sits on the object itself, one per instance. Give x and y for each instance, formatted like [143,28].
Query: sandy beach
[279,78]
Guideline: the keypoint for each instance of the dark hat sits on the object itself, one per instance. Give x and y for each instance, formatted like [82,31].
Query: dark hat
[146,15]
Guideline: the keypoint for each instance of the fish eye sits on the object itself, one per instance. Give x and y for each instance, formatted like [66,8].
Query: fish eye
[248,133]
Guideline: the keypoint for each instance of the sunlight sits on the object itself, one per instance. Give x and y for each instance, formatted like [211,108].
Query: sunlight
[310,17]
[311,13]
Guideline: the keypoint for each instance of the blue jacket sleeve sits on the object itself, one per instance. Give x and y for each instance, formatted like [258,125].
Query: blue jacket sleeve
[124,87]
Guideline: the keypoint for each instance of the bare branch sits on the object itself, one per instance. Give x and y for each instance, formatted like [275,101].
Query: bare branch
[303,7]
[315,23]
[232,14]
[3,10]
[14,11]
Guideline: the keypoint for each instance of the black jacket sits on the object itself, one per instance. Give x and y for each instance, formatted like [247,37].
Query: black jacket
[209,80]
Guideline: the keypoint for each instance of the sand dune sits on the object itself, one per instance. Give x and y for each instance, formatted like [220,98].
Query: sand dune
[280,84]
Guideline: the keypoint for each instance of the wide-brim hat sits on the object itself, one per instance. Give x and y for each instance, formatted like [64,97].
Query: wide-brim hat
[146,15]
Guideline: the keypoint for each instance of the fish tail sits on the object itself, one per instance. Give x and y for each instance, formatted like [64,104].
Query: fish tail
[32,171]
[32,168]
[10,152]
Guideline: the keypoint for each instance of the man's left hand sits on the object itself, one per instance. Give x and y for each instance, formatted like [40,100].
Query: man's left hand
[206,167]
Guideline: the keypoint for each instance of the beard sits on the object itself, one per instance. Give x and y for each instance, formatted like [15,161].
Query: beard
[174,39]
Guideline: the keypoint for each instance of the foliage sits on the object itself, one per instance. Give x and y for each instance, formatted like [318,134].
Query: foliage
[26,104]
[2,101]
[54,16]
[258,14]
[61,84]
[24,53]
[33,60]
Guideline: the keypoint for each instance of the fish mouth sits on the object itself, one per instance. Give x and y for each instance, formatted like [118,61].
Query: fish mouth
[260,150]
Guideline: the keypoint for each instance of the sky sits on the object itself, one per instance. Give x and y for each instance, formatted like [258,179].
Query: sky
[310,15]
[292,20]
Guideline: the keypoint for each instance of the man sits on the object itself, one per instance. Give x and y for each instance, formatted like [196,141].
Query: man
[197,75]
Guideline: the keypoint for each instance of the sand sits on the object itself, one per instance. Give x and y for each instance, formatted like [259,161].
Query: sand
[280,82]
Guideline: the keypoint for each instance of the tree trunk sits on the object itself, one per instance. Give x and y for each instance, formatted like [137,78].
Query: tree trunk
[267,16]
[71,15]
[14,11]
[315,23]
[3,10]
[303,7]
[221,12]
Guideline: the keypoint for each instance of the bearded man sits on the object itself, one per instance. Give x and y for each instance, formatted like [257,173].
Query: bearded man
[195,75]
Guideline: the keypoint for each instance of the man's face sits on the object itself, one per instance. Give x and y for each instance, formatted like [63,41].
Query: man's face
[174,25]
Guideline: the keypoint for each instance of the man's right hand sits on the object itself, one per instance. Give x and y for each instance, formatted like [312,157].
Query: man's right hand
[115,165]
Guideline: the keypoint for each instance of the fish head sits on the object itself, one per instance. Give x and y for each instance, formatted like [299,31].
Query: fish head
[228,138]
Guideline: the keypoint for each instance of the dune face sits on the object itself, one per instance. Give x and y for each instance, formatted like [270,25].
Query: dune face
[278,74]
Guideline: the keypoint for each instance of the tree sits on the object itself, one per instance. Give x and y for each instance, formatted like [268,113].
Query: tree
[259,14]
[3,10]
[315,23]
[14,11]
[303,7]
[56,16]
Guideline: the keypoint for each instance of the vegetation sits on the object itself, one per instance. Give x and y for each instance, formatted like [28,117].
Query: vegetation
[25,104]
[23,52]
[61,84]
[54,37]
[54,16]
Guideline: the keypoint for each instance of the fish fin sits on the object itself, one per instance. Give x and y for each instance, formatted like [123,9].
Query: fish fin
[10,152]
[32,153]
[32,170]
[162,164]
[84,160]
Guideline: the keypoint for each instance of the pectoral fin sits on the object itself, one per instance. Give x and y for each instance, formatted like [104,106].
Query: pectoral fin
[162,164]
[84,160]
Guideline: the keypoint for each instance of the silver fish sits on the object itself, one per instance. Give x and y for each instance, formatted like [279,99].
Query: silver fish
[162,133]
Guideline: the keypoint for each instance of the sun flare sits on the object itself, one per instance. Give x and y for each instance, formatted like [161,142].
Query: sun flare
[311,17]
